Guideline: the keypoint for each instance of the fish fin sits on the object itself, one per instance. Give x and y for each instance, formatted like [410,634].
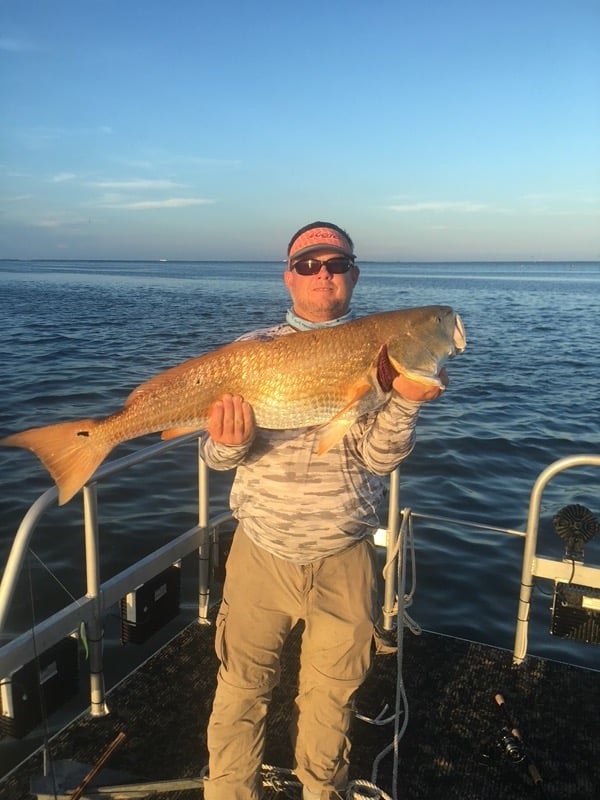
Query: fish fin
[419,377]
[68,450]
[360,390]
[426,378]
[173,433]
[332,433]
[337,427]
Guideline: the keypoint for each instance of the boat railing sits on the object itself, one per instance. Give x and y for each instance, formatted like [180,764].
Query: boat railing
[203,539]
[566,571]
[90,608]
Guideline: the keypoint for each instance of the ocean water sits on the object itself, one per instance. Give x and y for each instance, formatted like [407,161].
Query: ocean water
[77,337]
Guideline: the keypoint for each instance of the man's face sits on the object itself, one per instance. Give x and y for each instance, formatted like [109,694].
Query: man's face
[321,297]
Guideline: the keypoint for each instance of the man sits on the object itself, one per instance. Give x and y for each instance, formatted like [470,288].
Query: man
[302,550]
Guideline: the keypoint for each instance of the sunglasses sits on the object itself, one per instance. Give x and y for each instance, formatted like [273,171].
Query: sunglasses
[334,266]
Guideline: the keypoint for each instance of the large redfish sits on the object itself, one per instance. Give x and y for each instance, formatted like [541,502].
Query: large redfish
[326,377]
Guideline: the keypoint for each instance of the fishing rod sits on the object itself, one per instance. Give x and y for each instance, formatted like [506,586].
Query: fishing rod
[514,746]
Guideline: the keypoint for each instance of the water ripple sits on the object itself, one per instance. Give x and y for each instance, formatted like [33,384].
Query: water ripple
[78,337]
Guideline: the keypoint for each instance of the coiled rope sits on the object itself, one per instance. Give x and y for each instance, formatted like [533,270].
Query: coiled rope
[365,790]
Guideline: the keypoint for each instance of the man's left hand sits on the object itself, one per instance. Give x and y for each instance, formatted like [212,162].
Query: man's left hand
[419,392]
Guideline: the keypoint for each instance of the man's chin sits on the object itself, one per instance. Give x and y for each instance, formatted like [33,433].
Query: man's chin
[326,311]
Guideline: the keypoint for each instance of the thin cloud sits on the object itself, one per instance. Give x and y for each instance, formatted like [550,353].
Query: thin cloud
[54,222]
[161,159]
[460,206]
[63,177]
[135,163]
[172,202]
[212,162]
[136,184]
[47,223]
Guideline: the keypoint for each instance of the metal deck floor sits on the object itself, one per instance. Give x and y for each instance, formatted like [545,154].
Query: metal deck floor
[451,748]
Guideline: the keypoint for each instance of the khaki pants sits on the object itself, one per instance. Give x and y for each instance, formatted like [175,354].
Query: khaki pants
[263,598]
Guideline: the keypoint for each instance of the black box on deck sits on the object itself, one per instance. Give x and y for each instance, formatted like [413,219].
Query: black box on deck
[576,613]
[38,688]
[150,606]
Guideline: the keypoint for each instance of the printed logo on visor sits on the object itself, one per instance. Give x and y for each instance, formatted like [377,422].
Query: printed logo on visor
[320,239]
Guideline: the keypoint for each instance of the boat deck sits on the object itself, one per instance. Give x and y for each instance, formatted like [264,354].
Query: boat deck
[452,747]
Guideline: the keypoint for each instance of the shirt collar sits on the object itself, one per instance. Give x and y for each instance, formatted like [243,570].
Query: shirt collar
[304,325]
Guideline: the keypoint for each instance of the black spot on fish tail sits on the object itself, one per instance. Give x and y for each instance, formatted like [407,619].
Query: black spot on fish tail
[385,370]
[83,433]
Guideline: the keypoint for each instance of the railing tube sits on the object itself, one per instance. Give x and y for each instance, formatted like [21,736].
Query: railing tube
[18,552]
[529,550]
[393,528]
[204,549]
[95,629]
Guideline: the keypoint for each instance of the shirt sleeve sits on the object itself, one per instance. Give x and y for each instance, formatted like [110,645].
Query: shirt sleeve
[382,440]
[222,456]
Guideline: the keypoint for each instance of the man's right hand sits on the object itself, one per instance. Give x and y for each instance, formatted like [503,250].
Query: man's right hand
[231,421]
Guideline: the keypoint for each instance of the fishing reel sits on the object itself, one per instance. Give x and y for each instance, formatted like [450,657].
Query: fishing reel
[512,746]
[576,525]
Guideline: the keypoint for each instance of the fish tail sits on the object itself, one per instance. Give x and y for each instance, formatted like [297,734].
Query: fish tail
[69,451]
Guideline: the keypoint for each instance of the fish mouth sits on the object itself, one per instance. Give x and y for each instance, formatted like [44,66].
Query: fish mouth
[459,337]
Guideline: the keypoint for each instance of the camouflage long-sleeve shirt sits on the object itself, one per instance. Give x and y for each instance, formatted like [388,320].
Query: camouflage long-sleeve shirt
[301,506]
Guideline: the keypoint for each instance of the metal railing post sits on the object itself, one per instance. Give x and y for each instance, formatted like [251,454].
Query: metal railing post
[528,569]
[204,549]
[95,629]
[18,551]
[393,528]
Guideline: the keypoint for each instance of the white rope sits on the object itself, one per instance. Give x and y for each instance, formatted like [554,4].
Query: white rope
[278,778]
[401,706]
[408,621]
[365,790]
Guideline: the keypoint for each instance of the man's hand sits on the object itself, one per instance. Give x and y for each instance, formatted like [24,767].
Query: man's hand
[419,392]
[231,421]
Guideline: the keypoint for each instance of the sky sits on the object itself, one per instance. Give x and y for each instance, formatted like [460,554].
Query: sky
[435,130]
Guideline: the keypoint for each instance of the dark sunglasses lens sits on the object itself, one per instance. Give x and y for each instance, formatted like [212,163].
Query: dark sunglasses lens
[307,267]
[312,266]
[338,266]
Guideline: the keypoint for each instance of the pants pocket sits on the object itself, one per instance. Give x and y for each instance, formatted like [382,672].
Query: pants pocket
[220,648]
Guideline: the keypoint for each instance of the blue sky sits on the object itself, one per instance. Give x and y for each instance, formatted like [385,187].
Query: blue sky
[430,130]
